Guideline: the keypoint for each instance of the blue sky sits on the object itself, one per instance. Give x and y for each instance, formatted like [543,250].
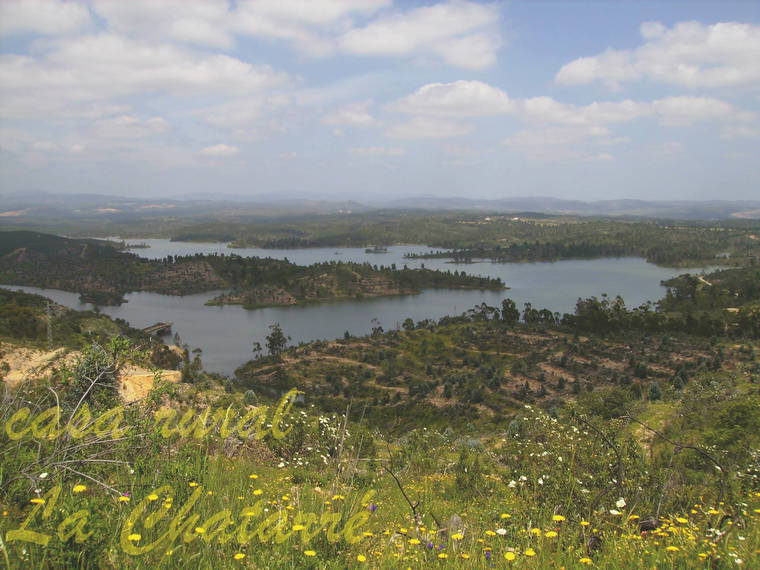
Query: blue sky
[374,99]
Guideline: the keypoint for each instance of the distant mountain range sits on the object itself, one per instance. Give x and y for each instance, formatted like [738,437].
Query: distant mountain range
[683,209]
[28,206]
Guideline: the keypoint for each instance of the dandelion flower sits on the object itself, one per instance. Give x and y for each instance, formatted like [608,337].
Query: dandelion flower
[585,560]
[253,476]
[79,488]
[558,518]
[415,540]
[123,499]
[361,558]
[682,520]
[258,492]
[464,556]
[529,552]
[550,534]
[672,549]
[460,536]
[309,553]
[193,484]
[134,537]
[153,497]
[38,501]
[200,529]
[510,556]
[443,555]
[585,523]
[239,556]
[505,515]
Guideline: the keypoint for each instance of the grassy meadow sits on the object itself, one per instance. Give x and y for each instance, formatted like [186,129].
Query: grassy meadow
[671,484]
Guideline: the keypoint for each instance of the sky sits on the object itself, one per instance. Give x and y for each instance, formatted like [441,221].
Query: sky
[379,99]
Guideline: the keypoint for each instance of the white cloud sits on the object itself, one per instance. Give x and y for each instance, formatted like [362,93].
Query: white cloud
[457,99]
[45,17]
[352,115]
[428,128]
[560,143]
[689,54]
[311,25]
[377,151]
[548,110]
[460,33]
[92,69]
[686,110]
[220,150]
[739,132]
[204,22]
[129,127]
[672,111]
[670,148]
[601,157]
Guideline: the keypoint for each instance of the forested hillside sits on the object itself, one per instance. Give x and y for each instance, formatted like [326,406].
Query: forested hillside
[102,274]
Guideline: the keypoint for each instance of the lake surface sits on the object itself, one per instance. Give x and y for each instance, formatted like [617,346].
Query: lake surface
[226,333]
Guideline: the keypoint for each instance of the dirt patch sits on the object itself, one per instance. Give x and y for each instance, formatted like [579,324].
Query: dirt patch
[24,363]
[135,383]
[30,363]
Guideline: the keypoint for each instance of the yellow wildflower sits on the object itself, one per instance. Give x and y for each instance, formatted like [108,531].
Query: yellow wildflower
[361,558]
[672,549]
[239,556]
[134,537]
[585,560]
[38,501]
[457,536]
[558,518]
[585,523]
[258,492]
[79,488]
[529,552]
[510,556]
[200,529]
[443,555]
[550,534]
[505,515]
[123,499]
[309,553]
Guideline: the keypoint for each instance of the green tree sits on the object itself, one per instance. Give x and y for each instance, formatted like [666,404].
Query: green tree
[509,312]
[276,340]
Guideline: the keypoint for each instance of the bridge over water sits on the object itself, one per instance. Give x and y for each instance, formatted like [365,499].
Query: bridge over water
[159,329]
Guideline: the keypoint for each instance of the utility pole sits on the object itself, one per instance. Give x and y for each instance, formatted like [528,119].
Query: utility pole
[49,326]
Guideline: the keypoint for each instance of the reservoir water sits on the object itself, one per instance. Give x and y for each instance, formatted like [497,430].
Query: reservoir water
[225,334]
